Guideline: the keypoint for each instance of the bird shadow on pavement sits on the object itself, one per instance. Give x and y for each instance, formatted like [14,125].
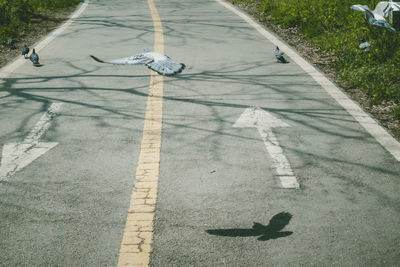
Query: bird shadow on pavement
[264,232]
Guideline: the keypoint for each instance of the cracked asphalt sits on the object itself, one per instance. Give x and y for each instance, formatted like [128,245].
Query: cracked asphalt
[219,200]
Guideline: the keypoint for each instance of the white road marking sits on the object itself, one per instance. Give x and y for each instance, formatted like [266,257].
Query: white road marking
[377,131]
[16,156]
[11,67]
[264,122]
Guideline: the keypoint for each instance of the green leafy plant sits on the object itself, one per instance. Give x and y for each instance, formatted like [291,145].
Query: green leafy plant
[332,26]
[396,112]
[16,14]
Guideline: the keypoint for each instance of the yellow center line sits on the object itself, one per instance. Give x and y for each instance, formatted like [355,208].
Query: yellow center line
[136,241]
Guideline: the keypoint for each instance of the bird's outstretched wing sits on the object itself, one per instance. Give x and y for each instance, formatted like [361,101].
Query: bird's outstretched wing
[132,60]
[279,221]
[395,6]
[166,66]
[384,24]
[360,8]
[383,8]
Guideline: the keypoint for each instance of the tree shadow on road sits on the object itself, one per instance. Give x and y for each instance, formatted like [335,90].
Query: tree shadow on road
[264,232]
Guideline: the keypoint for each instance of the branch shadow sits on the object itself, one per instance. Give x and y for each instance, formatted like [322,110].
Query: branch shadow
[264,232]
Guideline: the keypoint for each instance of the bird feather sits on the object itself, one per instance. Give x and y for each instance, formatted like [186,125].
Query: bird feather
[160,63]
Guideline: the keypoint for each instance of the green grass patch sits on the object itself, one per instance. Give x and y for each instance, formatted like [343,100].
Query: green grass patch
[396,112]
[17,14]
[332,26]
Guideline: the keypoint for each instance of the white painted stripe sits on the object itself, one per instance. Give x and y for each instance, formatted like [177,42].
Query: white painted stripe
[377,131]
[255,117]
[19,61]
[43,124]
[289,182]
[61,29]
[16,156]
[279,160]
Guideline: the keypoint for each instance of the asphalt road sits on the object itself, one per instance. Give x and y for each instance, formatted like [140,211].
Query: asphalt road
[69,206]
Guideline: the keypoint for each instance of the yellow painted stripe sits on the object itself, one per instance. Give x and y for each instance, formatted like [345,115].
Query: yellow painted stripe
[136,242]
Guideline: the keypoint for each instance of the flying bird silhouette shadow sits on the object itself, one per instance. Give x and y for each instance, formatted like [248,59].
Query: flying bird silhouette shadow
[264,232]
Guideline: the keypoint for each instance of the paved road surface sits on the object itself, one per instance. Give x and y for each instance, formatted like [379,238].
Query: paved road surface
[68,207]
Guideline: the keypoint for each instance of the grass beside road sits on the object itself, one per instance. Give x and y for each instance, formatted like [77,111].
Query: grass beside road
[27,21]
[18,15]
[334,28]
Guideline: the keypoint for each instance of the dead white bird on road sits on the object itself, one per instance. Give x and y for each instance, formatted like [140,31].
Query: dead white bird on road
[377,16]
[160,63]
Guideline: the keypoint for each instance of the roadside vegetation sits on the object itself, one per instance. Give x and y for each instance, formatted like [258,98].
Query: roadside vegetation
[16,16]
[336,29]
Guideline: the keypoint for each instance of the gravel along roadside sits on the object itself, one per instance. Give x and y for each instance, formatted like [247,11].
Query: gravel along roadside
[46,22]
[380,112]
[41,25]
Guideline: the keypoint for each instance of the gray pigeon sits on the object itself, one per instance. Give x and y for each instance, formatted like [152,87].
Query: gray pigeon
[377,16]
[10,42]
[160,63]
[279,56]
[365,46]
[34,58]
[25,50]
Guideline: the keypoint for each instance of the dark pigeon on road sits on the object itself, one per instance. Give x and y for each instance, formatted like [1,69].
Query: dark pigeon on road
[157,62]
[34,58]
[279,56]
[377,16]
[25,50]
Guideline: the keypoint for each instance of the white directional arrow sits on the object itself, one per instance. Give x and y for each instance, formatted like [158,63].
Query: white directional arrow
[16,156]
[264,122]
